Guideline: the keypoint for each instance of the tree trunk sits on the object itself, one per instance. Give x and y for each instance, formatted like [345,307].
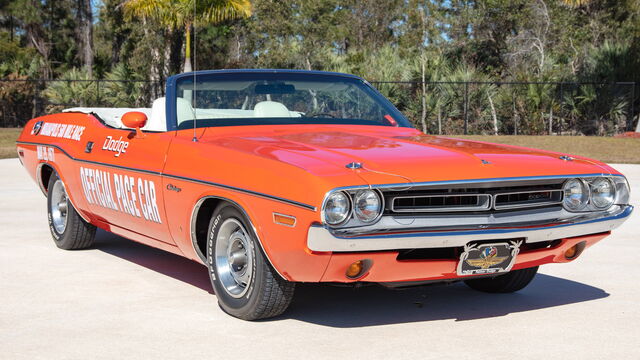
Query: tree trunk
[85,34]
[493,115]
[551,121]
[515,118]
[187,49]
[439,121]
[154,68]
[166,56]
[38,41]
[423,118]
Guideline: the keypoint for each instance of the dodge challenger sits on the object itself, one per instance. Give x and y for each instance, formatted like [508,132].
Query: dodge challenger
[275,177]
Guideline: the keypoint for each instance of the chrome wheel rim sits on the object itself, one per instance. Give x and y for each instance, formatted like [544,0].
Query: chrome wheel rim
[234,258]
[59,207]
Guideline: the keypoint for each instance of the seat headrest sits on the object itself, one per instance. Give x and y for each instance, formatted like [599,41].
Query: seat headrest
[184,111]
[270,109]
[158,119]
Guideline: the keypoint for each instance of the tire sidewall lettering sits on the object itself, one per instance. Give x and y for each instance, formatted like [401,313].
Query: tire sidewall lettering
[211,245]
[53,230]
[223,215]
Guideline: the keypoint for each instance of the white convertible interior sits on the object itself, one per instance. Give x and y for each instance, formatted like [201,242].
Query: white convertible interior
[156,115]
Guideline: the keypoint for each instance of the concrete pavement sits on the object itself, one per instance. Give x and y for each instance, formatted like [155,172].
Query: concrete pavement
[123,299]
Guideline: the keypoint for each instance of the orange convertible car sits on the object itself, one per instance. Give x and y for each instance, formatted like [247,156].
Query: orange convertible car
[273,177]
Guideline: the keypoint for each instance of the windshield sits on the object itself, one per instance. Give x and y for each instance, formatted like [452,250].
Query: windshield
[233,99]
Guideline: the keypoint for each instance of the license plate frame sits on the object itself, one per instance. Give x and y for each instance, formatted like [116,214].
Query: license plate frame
[488,259]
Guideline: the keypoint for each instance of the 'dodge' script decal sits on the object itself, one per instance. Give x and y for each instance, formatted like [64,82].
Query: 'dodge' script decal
[127,194]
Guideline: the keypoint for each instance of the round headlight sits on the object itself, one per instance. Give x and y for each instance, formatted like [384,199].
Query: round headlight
[337,208]
[367,205]
[603,193]
[576,195]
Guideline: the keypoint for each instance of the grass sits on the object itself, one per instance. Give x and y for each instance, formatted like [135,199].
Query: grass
[8,138]
[607,149]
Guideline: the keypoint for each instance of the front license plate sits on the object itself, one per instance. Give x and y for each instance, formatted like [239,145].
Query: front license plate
[480,259]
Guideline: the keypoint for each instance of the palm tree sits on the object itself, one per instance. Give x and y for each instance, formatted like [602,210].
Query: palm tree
[176,14]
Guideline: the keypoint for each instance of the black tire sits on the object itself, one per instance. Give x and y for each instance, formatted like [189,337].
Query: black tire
[77,233]
[510,282]
[266,294]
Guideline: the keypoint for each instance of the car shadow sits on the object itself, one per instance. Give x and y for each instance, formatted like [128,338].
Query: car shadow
[160,261]
[345,307]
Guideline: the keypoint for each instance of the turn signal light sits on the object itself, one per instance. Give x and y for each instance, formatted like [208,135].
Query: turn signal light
[575,251]
[285,220]
[355,269]
[571,252]
[358,269]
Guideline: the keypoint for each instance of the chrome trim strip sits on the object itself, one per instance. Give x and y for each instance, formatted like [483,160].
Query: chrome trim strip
[250,192]
[194,240]
[320,238]
[45,191]
[472,181]
[443,208]
[39,177]
[177,177]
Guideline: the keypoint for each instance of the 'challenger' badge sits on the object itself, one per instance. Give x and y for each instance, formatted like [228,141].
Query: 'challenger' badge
[479,259]
[36,128]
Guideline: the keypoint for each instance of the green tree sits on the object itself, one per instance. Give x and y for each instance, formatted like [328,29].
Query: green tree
[183,14]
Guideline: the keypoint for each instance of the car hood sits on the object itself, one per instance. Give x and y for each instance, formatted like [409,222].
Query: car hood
[397,155]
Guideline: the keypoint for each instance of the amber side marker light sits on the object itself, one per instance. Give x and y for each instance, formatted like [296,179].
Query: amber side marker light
[285,220]
[574,251]
[358,269]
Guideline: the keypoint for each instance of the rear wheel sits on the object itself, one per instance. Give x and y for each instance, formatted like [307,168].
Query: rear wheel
[245,284]
[68,229]
[510,282]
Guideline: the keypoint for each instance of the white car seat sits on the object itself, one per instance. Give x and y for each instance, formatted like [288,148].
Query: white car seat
[270,109]
[158,119]
[184,111]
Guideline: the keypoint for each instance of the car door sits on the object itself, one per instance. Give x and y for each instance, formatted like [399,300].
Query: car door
[121,181]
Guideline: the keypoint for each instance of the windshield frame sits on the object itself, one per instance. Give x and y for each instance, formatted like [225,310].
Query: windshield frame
[226,75]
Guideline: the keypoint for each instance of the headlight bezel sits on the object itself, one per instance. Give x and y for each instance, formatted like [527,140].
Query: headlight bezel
[619,186]
[592,193]
[348,212]
[380,210]
[586,195]
[352,220]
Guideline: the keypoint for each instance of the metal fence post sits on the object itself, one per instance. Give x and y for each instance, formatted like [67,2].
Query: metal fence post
[514,115]
[466,105]
[633,98]
[561,108]
[34,110]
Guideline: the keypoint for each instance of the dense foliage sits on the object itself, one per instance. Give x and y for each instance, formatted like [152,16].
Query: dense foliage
[507,66]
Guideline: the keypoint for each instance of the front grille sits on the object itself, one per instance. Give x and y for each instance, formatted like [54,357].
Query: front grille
[461,199]
[522,199]
[438,203]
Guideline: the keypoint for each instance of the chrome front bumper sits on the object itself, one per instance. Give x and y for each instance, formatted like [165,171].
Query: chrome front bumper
[320,238]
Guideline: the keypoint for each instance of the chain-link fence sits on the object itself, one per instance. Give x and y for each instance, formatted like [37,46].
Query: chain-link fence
[516,108]
[24,99]
[565,108]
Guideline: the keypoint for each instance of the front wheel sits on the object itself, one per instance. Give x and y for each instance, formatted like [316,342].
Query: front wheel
[245,284]
[510,282]
[68,229]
